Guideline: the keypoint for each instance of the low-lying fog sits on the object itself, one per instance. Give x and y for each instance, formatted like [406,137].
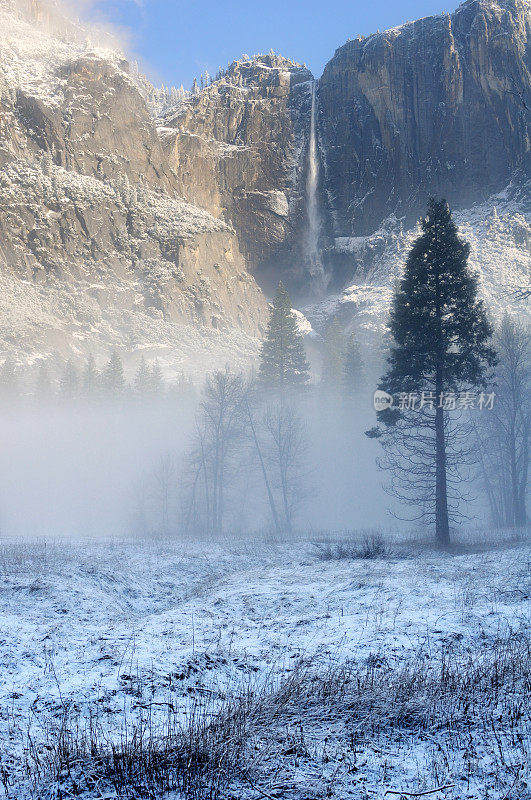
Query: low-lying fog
[123,467]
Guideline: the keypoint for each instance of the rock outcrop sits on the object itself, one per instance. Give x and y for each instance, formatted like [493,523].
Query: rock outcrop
[238,148]
[170,259]
[439,106]
[89,203]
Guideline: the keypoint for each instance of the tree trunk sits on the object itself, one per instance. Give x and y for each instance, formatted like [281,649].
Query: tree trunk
[264,471]
[207,486]
[524,469]
[513,519]
[442,529]
[287,513]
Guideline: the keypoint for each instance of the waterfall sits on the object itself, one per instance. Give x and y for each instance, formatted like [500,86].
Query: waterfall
[315,265]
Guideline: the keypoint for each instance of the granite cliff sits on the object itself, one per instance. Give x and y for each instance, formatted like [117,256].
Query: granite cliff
[439,106]
[94,231]
[238,150]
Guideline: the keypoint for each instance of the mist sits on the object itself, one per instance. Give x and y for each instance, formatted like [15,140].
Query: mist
[75,21]
[72,470]
[79,468]
[246,550]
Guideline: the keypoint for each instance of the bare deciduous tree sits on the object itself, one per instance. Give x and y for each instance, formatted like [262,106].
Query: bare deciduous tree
[220,427]
[261,460]
[285,444]
[503,436]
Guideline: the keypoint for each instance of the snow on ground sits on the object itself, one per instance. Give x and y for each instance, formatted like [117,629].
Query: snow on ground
[108,625]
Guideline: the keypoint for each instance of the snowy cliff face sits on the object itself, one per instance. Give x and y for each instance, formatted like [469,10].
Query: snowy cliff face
[238,148]
[92,226]
[65,92]
[440,106]
[499,233]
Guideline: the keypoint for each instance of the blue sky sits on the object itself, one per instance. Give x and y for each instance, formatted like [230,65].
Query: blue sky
[177,41]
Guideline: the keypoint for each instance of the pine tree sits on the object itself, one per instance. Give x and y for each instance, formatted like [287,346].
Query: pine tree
[283,363]
[441,344]
[156,380]
[333,358]
[69,384]
[91,378]
[113,376]
[353,374]
[9,385]
[183,389]
[142,380]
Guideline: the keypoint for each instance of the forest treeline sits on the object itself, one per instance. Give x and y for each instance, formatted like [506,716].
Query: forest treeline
[70,381]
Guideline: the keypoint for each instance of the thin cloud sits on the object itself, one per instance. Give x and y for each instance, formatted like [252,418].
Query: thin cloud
[77,18]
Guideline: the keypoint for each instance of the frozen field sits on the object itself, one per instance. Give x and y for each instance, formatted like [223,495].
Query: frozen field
[300,670]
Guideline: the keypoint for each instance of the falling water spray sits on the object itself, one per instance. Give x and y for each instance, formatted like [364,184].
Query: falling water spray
[312,201]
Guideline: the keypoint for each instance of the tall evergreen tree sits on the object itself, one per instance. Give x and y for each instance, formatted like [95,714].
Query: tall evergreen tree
[182,389]
[142,380]
[69,384]
[113,376]
[441,345]
[9,380]
[91,378]
[156,380]
[283,363]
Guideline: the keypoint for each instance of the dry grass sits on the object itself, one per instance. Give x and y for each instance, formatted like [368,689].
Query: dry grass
[153,754]
[374,544]
[467,702]
[350,546]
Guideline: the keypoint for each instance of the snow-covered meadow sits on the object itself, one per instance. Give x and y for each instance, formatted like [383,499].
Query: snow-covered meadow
[336,666]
